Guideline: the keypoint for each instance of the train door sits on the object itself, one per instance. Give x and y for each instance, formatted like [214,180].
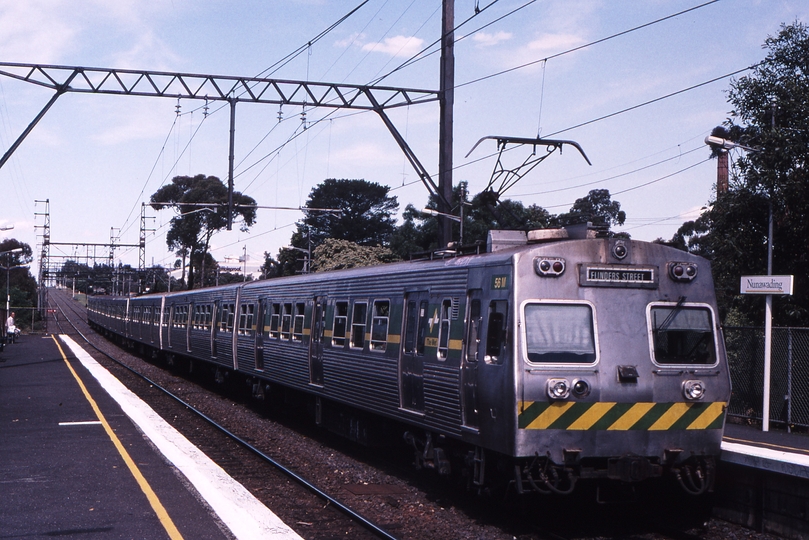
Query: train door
[316,341]
[411,364]
[259,348]
[170,323]
[189,320]
[214,327]
[471,355]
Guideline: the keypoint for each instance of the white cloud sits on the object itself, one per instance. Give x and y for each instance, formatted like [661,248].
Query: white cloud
[32,31]
[550,44]
[487,40]
[402,46]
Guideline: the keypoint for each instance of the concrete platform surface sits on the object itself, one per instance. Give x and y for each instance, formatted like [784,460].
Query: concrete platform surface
[81,456]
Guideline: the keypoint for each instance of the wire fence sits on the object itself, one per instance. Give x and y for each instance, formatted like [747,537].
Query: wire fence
[789,382]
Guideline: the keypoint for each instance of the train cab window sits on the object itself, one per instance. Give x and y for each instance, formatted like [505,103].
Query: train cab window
[443,328]
[286,322]
[340,324]
[682,334]
[379,325]
[297,329]
[246,314]
[358,322]
[559,333]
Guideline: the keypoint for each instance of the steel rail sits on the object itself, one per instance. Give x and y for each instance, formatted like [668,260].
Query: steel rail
[367,523]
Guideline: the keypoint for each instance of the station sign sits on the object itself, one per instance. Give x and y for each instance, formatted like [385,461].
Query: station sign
[766,285]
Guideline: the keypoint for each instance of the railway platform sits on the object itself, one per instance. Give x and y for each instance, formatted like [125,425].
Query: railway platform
[774,450]
[763,480]
[81,456]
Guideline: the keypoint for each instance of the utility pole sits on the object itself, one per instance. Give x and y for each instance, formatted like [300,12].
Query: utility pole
[446,100]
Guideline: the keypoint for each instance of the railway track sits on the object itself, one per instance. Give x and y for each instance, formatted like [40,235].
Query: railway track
[70,319]
[352,498]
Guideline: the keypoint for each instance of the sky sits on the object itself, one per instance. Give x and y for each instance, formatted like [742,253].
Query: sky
[640,105]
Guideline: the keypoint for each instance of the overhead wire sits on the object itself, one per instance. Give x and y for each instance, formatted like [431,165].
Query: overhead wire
[294,54]
[418,56]
[633,188]
[586,45]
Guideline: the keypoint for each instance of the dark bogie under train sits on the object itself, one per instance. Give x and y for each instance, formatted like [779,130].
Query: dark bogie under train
[546,361]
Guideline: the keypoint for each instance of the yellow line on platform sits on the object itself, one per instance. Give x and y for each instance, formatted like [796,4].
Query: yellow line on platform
[154,501]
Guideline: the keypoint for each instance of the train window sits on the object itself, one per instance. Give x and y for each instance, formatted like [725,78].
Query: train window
[496,331]
[180,316]
[443,329]
[273,326]
[559,333]
[682,335]
[147,314]
[338,334]
[358,322]
[410,327]
[246,313]
[379,325]
[297,329]
[208,317]
[197,321]
[473,336]
[286,322]
[228,315]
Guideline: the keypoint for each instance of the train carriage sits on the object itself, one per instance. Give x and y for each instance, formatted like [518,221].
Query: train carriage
[564,358]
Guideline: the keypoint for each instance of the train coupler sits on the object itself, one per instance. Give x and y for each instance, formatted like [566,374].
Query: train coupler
[631,468]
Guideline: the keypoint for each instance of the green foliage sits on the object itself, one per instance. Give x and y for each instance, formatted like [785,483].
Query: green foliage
[770,114]
[334,254]
[486,212]
[191,230]
[597,207]
[365,217]
[21,285]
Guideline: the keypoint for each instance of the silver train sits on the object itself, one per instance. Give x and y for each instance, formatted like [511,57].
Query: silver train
[553,358]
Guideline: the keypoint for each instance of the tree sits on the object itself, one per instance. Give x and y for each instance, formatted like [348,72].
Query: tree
[365,217]
[597,207]
[22,286]
[334,254]
[192,229]
[770,114]
[483,213]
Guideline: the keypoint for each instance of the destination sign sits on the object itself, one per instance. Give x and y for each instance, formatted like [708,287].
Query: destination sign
[766,285]
[618,276]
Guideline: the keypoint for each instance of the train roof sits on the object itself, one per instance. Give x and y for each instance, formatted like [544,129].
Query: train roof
[501,246]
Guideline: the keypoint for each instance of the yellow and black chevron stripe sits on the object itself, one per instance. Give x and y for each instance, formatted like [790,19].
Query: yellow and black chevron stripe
[609,416]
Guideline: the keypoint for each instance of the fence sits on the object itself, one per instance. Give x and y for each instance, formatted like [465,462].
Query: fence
[789,384]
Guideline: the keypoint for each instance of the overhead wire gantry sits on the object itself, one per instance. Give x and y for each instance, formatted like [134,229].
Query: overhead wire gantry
[230,89]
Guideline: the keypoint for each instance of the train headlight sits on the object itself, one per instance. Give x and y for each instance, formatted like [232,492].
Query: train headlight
[581,388]
[549,266]
[694,390]
[681,271]
[558,389]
